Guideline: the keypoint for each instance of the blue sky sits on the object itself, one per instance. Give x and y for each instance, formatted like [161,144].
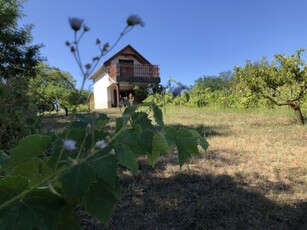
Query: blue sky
[186,38]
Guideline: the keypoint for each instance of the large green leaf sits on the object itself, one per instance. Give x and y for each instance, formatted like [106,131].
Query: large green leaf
[11,186]
[77,182]
[158,115]
[30,169]
[159,145]
[105,167]
[126,157]
[68,219]
[171,134]
[38,210]
[101,199]
[141,118]
[186,145]
[30,146]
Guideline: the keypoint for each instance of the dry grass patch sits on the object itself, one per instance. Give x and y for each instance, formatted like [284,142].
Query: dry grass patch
[253,176]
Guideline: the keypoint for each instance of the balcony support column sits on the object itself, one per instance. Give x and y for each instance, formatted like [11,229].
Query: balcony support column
[118,94]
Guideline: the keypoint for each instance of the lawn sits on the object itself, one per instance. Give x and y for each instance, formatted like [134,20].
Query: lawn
[253,175]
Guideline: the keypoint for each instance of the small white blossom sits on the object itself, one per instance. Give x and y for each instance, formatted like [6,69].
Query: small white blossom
[69,144]
[101,144]
[112,152]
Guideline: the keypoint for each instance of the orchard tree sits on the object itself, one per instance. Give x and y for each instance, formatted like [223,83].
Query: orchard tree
[17,65]
[53,87]
[283,82]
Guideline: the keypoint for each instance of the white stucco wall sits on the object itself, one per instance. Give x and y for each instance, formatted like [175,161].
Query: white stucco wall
[102,98]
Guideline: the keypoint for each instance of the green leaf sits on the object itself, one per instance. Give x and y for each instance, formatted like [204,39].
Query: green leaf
[126,157]
[129,110]
[186,145]
[141,118]
[171,134]
[68,219]
[119,124]
[30,169]
[159,145]
[77,182]
[30,146]
[38,210]
[101,120]
[105,168]
[203,143]
[101,199]
[132,139]
[200,140]
[11,186]
[158,115]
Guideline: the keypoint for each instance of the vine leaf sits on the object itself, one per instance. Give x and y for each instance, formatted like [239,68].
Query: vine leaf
[27,148]
[30,169]
[77,182]
[158,115]
[186,145]
[68,219]
[100,200]
[105,168]
[159,145]
[31,212]
[126,157]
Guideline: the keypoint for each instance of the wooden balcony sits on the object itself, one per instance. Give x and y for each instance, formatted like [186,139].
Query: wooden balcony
[134,73]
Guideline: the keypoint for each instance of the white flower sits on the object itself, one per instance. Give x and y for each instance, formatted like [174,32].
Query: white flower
[101,144]
[69,144]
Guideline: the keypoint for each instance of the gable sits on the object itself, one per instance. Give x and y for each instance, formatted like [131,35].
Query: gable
[128,51]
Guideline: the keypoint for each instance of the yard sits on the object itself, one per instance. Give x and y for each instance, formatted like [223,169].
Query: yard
[253,175]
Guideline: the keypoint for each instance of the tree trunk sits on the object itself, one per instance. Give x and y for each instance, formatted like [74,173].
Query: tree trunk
[298,113]
[66,111]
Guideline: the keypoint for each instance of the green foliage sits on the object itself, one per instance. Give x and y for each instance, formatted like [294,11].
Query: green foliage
[53,85]
[17,65]
[46,178]
[283,82]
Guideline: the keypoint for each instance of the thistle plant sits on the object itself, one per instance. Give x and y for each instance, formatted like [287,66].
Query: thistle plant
[79,28]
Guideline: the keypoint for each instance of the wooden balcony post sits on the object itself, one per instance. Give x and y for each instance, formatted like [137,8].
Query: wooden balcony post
[118,94]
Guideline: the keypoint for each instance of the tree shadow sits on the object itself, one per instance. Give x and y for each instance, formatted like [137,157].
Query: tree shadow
[206,131]
[191,201]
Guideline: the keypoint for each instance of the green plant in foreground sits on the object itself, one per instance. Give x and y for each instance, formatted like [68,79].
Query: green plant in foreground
[46,177]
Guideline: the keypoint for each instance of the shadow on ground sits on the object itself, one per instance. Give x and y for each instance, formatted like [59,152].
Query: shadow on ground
[192,201]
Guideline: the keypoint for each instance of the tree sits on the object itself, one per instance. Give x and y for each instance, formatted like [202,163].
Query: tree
[17,65]
[53,88]
[283,82]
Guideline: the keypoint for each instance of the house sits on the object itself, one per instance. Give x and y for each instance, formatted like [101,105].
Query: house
[118,76]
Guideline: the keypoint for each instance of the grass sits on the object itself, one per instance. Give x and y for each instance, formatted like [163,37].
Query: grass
[253,175]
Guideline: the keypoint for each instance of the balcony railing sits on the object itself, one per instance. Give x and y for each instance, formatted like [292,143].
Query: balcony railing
[134,73]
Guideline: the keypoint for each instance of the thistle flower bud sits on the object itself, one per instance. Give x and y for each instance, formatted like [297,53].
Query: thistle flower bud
[67,43]
[88,66]
[76,23]
[105,47]
[72,49]
[133,20]
[95,58]
[86,28]
[98,41]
